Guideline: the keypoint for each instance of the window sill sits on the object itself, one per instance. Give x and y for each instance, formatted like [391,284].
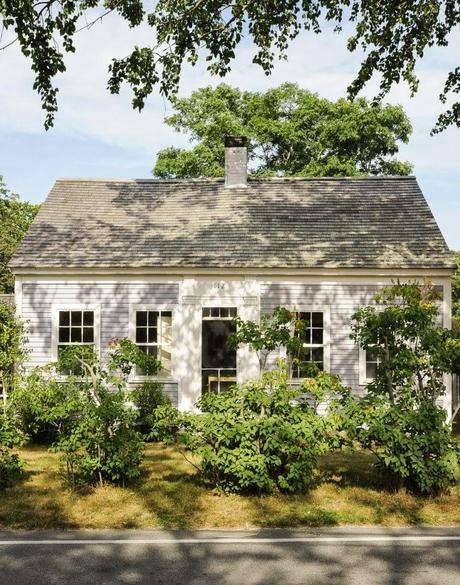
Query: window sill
[161,379]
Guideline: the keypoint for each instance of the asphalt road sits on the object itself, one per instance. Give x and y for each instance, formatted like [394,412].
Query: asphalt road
[265,557]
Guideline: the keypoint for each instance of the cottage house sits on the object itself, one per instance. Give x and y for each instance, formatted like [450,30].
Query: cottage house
[168,263]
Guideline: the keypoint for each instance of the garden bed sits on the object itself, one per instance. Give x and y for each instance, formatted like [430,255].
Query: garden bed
[170,496]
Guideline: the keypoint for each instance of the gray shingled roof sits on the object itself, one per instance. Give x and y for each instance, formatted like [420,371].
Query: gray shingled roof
[376,222]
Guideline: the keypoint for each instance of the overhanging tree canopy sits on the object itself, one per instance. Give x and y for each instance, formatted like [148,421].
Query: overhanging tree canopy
[394,35]
[292,132]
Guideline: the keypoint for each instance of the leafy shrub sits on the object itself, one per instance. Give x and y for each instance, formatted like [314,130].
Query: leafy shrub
[10,467]
[400,420]
[12,350]
[10,437]
[414,446]
[45,407]
[102,445]
[262,436]
[280,329]
[165,423]
[147,397]
[412,351]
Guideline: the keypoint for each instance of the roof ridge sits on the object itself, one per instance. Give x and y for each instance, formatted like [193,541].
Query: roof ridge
[221,179]
[114,180]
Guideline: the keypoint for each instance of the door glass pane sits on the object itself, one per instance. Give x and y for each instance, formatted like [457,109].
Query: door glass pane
[218,360]
[216,353]
[210,381]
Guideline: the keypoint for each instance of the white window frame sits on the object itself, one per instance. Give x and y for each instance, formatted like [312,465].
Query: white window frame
[134,376]
[56,309]
[326,345]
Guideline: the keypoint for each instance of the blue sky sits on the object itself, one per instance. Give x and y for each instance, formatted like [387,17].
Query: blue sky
[99,135]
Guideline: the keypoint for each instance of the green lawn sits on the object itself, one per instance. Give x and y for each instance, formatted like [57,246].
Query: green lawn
[169,496]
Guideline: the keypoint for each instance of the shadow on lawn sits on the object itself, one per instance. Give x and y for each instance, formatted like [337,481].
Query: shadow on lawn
[353,470]
[304,513]
[170,489]
[409,509]
[29,507]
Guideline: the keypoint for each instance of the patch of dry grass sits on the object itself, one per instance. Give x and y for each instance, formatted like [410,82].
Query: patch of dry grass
[169,496]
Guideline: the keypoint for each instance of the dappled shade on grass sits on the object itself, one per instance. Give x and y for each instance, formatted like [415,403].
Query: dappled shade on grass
[169,495]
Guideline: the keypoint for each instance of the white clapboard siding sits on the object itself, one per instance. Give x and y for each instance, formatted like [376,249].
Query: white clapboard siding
[114,299]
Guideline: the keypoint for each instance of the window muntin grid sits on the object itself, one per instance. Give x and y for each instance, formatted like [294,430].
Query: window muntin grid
[75,327]
[153,335]
[312,336]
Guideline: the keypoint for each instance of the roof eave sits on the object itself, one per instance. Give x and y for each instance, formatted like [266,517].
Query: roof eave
[396,272]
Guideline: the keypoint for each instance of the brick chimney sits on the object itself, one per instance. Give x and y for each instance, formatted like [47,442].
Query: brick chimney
[236,161]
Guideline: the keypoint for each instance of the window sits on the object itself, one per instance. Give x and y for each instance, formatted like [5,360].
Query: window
[153,335]
[218,360]
[368,363]
[313,345]
[219,312]
[75,327]
[372,361]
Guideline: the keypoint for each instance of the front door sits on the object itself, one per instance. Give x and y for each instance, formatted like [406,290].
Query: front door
[218,361]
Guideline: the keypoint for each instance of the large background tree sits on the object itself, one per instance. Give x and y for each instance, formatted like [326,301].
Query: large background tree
[291,130]
[393,34]
[15,219]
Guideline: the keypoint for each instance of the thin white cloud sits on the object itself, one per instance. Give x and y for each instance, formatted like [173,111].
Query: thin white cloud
[319,62]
